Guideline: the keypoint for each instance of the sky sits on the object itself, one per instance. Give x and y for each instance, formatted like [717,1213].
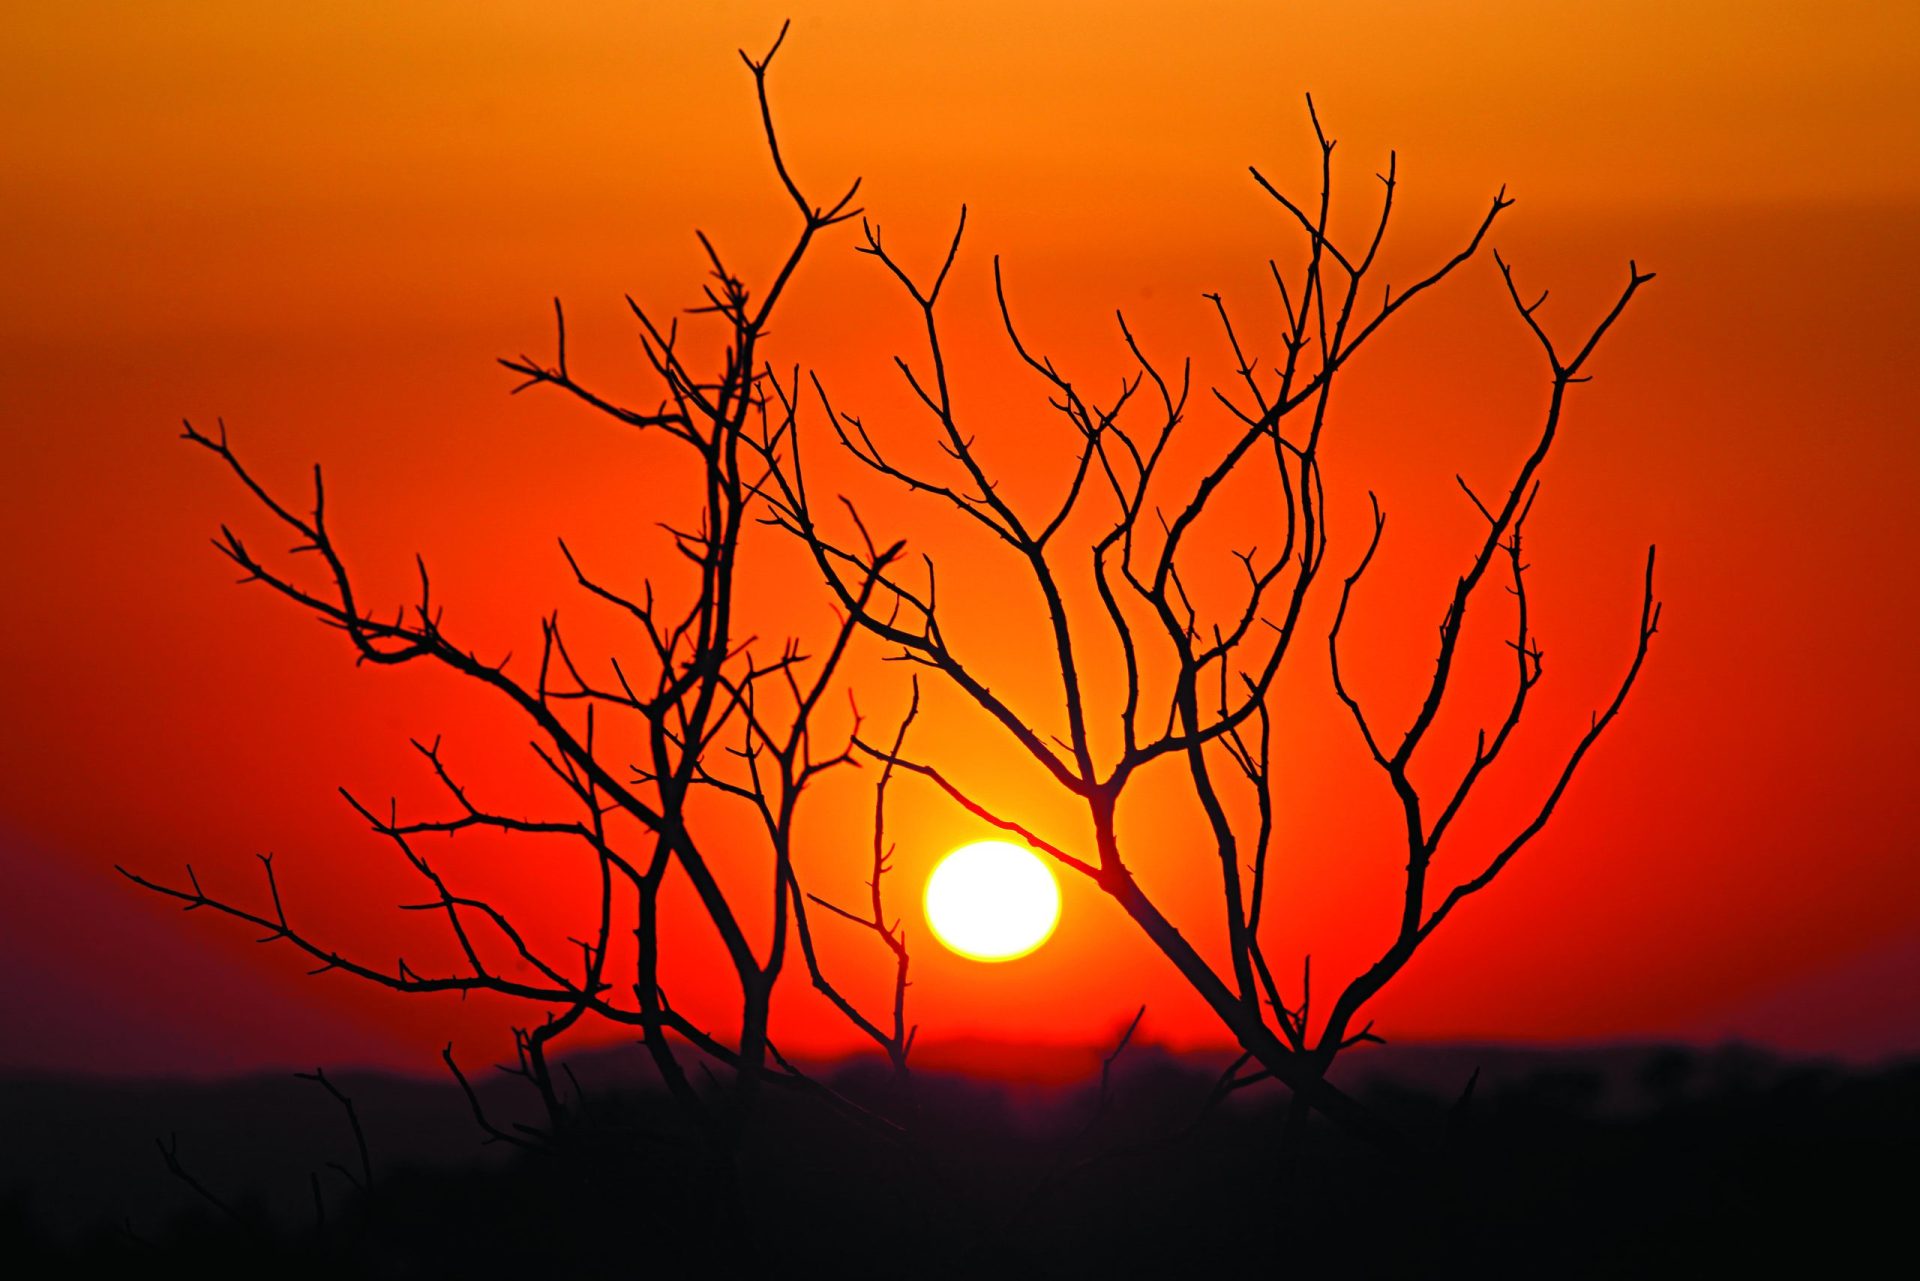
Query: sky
[324,225]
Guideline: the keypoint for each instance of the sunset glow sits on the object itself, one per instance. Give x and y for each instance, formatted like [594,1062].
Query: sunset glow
[589,584]
[323,224]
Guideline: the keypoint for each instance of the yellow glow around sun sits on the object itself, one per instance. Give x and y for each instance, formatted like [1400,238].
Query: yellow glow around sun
[991,901]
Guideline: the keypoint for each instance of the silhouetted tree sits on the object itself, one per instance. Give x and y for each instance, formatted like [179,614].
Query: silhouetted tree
[713,717]
[1196,692]
[1199,691]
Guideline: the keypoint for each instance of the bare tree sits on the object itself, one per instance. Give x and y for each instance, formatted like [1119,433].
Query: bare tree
[1199,691]
[716,719]
[712,712]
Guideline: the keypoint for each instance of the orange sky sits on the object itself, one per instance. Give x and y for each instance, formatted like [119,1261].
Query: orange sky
[325,227]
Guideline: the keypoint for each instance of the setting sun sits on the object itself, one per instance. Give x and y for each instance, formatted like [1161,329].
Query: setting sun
[991,901]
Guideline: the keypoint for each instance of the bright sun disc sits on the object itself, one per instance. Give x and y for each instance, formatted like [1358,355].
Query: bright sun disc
[991,901]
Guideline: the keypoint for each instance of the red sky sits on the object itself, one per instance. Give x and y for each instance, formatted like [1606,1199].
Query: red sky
[325,227]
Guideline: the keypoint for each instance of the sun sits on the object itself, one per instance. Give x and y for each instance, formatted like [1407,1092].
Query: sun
[992,901]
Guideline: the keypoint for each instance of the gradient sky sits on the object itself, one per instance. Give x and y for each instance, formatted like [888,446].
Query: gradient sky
[324,226]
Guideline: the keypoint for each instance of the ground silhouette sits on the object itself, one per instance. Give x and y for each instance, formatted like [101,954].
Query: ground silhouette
[1629,1160]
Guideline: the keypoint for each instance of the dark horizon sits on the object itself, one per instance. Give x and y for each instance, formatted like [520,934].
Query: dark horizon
[1537,1148]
